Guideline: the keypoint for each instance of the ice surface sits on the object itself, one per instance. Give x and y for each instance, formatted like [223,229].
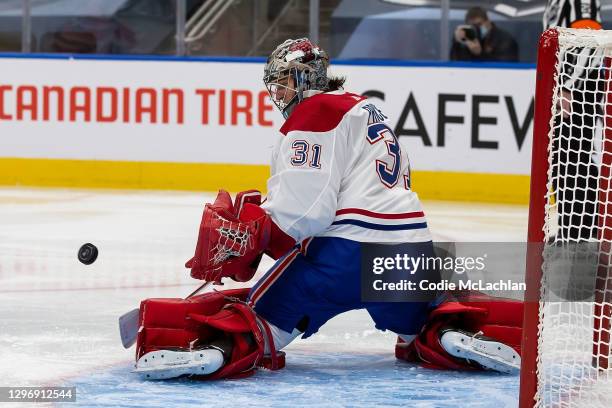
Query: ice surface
[58,318]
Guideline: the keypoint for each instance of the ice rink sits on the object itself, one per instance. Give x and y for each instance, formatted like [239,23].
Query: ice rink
[58,318]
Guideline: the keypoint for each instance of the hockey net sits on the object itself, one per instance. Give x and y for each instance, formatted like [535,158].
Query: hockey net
[566,348]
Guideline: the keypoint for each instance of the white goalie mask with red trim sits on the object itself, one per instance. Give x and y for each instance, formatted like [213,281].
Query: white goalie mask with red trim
[294,67]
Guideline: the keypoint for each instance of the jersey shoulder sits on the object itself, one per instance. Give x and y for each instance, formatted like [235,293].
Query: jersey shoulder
[320,113]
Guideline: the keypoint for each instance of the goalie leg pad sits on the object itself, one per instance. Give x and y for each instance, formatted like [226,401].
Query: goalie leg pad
[187,325]
[473,312]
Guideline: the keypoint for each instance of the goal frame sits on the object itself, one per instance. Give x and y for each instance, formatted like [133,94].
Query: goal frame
[545,83]
[546,73]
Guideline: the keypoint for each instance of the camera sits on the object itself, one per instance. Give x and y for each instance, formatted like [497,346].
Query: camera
[470,32]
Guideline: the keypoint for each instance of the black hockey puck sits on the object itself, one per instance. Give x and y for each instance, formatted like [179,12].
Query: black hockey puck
[88,254]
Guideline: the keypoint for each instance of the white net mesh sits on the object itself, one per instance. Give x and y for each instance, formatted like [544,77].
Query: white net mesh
[234,240]
[574,332]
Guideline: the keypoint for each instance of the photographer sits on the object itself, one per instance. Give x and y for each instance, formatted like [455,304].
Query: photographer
[481,40]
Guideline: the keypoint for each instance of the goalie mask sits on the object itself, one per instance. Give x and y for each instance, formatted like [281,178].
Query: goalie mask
[294,67]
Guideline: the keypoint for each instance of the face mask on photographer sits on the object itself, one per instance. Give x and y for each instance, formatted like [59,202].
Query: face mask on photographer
[481,25]
[483,30]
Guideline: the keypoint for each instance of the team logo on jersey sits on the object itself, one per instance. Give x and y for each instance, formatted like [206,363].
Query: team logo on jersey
[376,115]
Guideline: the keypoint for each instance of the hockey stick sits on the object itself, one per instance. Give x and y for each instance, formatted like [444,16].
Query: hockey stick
[129,324]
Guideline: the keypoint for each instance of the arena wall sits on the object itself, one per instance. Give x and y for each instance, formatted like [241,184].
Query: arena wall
[206,123]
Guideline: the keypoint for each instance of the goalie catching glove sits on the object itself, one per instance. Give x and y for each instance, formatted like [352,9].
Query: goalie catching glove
[233,238]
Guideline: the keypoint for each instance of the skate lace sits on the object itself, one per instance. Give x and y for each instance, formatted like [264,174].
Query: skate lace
[478,333]
[472,339]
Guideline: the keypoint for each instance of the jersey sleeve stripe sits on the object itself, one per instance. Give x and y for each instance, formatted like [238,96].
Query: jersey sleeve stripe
[372,214]
[381,227]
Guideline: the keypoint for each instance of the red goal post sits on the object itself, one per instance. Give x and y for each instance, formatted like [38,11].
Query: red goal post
[566,345]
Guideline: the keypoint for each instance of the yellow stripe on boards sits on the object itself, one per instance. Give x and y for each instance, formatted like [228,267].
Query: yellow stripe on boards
[132,175]
[478,187]
[430,185]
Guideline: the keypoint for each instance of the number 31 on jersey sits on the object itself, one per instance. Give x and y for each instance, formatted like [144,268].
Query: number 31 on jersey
[388,170]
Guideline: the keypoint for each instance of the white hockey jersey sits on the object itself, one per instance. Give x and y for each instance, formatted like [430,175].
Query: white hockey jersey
[338,171]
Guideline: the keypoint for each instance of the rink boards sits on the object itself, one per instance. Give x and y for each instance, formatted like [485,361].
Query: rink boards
[204,124]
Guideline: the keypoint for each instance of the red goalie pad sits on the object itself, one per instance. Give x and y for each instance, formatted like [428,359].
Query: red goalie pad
[231,238]
[500,319]
[196,322]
